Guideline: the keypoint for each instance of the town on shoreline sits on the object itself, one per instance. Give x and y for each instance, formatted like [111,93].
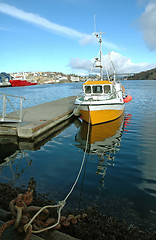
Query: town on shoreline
[42,77]
[59,77]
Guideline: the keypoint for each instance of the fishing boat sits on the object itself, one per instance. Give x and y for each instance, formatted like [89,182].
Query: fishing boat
[103,100]
[20,80]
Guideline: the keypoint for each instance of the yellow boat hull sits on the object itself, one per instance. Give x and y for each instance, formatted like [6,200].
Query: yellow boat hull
[101,116]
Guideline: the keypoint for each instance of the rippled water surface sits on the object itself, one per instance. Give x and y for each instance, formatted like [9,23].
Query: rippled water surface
[119,174]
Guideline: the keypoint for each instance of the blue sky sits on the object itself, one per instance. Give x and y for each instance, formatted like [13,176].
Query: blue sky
[57,35]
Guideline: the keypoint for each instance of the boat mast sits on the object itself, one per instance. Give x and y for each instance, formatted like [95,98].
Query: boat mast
[98,35]
[101,68]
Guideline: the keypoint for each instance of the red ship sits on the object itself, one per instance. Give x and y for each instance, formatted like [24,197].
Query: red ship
[20,81]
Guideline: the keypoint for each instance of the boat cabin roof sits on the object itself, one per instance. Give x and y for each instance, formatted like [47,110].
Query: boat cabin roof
[97,82]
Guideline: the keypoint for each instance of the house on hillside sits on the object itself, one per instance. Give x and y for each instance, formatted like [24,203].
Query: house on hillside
[62,78]
[74,79]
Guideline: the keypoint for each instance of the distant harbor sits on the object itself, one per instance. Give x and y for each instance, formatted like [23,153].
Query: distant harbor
[41,78]
[47,77]
[59,77]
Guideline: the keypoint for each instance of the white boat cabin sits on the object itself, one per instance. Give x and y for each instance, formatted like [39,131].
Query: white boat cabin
[97,89]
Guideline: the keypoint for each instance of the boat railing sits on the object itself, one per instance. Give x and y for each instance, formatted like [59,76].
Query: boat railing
[118,93]
[81,94]
[10,108]
[97,97]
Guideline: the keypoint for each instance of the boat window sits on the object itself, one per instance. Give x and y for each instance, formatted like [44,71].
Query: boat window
[87,89]
[107,89]
[97,89]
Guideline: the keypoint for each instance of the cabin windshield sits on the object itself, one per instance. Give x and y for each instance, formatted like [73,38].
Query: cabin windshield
[97,89]
[107,89]
[87,89]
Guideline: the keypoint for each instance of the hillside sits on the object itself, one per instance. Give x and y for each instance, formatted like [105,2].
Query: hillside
[147,75]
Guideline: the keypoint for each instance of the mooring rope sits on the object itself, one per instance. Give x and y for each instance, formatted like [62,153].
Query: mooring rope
[73,113]
[60,204]
[88,131]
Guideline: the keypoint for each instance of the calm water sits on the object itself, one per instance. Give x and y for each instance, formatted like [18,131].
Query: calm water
[120,168]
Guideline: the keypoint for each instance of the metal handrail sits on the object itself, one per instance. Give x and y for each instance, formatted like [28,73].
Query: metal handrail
[9,117]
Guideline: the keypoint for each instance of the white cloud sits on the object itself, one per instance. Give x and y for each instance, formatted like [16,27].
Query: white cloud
[56,28]
[148,25]
[122,64]
[80,64]
[37,20]
[86,39]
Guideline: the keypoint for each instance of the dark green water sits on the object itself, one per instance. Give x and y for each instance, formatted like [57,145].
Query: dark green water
[119,174]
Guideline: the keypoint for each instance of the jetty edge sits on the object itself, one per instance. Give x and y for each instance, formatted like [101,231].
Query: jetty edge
[55,234]
[40,120]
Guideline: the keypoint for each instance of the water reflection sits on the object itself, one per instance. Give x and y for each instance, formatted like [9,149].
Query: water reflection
[15,153]
[15,172]
[104,141]
[8,146]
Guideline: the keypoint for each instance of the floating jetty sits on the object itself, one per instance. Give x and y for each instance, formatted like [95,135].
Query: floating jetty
[40,121]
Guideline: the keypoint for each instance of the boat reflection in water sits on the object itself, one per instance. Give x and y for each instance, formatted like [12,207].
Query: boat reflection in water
[104,141]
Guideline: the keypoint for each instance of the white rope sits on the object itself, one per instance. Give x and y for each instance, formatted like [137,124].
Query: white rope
[82,161]
[60,204]
[73,112]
